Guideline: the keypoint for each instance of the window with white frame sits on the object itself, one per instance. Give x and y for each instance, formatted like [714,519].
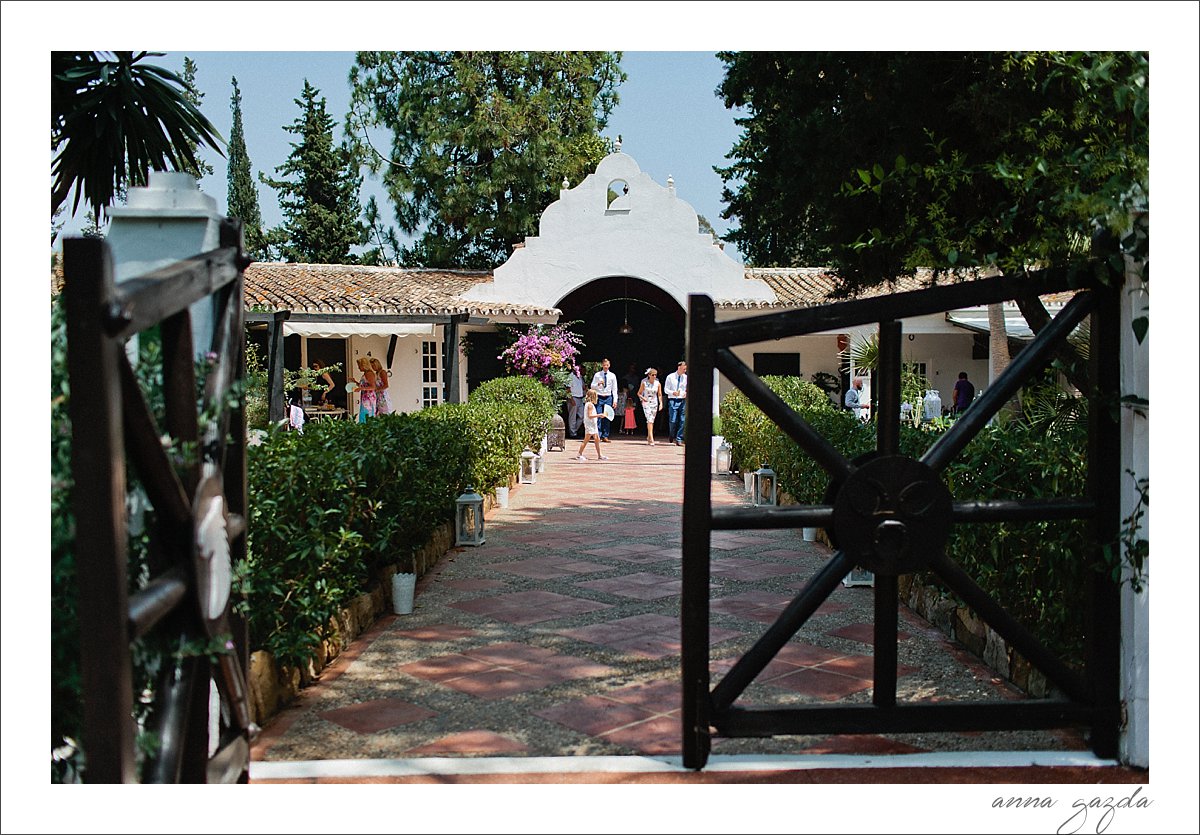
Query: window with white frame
[431,389]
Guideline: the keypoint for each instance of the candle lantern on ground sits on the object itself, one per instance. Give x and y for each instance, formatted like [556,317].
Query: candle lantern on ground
[468,515]
[528,467]
[556,438]
[764,486]
[724,461]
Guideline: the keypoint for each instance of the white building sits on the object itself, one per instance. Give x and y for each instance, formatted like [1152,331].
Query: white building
[617,256]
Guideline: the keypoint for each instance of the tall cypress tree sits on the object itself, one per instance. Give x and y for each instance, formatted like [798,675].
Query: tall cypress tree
[242,195]
[318,191]
[200,169]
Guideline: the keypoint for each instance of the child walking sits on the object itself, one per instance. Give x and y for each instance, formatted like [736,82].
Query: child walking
[591,431]
[630,425]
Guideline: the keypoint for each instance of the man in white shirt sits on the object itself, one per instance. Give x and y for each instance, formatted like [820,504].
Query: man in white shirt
[575,404]
[675,388]
[605,384]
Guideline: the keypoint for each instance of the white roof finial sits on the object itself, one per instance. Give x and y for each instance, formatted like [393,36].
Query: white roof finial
[670,181]
[617,144]
[566,185]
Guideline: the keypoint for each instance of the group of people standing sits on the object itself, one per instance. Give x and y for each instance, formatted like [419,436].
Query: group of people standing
[964,395]
[586,409]
[372,388]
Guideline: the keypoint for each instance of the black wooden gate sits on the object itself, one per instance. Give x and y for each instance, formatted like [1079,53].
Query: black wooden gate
[198,513]
[892,514]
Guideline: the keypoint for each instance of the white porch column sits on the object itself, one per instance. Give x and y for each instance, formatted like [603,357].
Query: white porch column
[1135,456]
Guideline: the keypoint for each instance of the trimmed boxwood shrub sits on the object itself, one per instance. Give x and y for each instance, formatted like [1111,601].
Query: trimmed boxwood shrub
[331,505]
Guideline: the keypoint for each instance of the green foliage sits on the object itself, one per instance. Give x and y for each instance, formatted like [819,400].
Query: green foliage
[538,402]
[481,141]
[318,190]
[988,158]
[751,434]
[257,404]
[827,382]
[1039,571]
[333,504]
[66,715]
[113,118]
[201,169]
[1130,561]
[241,192]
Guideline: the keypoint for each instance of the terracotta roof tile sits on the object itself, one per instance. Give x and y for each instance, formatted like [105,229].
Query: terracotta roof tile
[346,288]
[807,286]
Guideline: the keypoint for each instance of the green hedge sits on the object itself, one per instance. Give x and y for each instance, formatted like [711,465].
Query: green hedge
[505,415]
[1038,571]
[329,506]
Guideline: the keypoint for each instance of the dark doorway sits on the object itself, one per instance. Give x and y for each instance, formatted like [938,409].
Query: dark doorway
[600,309]
[331,352]
[483,358]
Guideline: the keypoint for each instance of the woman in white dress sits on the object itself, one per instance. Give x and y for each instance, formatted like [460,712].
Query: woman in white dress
[650,393]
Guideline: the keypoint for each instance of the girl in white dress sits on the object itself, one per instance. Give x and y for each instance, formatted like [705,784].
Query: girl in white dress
[591,429]
[650,393]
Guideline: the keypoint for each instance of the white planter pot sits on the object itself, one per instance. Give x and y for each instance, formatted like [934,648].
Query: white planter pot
[749,476]
[810,534]
[403,588]
[502,497]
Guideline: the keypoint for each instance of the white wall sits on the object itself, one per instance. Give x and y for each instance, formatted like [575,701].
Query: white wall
[647,234]
[945,354]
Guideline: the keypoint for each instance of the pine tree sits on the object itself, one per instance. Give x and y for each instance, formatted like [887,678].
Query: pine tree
[242,195]
[200,169]
[480,141]
[318,191]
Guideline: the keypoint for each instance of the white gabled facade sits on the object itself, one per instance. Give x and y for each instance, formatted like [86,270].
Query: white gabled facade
[646,233]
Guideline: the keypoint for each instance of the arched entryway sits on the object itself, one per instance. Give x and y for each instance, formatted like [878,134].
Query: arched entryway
[600,309]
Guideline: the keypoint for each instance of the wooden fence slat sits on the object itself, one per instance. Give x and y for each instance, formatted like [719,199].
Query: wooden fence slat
[98,472]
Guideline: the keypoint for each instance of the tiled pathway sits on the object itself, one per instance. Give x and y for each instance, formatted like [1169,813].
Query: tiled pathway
[560,636]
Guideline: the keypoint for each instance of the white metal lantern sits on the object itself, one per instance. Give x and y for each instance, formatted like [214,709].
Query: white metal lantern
[764,486]
[528,467]
[468,518]
[724,458]
[859,577]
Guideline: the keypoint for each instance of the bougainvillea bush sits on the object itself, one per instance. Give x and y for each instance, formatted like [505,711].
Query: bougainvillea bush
[547,354]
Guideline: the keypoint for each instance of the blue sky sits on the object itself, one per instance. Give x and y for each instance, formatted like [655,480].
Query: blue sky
[669,117]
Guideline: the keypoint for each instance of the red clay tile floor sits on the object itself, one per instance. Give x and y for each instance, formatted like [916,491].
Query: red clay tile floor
[560,638]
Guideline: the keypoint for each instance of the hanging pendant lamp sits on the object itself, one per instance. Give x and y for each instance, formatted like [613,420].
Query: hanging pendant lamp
[625,329]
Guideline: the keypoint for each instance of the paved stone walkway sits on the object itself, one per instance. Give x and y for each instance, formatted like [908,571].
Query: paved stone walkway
[560,637]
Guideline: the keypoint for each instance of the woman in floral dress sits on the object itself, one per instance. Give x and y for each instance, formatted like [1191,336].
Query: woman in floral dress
[366,391]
